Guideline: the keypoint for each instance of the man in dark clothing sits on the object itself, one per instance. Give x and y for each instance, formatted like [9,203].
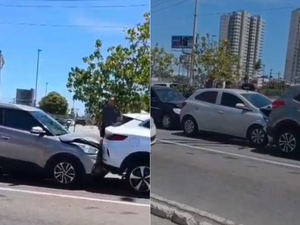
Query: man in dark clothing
[110,115]
[247,86]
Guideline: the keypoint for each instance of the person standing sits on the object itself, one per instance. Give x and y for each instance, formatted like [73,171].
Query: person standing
[248,86]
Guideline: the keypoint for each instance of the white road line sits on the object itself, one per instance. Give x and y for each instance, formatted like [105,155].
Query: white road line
[72,197]
[233,154]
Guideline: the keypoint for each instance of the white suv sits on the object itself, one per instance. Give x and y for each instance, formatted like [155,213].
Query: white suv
[33,142]
[126,150]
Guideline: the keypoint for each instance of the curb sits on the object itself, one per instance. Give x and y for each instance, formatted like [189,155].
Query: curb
[184,215]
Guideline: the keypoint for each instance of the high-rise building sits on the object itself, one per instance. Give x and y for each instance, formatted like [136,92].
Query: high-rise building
[292,61]
[246,35]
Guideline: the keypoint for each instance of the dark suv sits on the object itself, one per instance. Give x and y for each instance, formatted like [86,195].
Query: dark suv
[283,126]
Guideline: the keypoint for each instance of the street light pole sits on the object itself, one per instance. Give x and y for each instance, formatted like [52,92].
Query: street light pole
[194,42]
[37,76]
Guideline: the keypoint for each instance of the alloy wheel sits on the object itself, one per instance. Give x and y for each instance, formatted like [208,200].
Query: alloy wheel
[166,121]
[139,179]
[189,126]
[64,173]
[287,142]
[258,136]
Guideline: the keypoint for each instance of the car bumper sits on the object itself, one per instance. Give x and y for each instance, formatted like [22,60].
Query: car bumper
[269,132]
[89,163]
[176,119]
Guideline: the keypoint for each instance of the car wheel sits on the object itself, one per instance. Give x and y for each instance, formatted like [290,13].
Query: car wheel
[166,121]
[257,137]
[288,140]
[138,178]
[66,172]
[190,126]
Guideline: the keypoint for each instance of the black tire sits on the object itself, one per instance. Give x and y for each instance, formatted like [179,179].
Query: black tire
[166,122]
[132,181]
[257,137]
[190,126]
[288,140]
[72,175]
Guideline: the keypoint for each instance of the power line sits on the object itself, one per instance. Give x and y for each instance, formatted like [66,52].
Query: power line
[178,3]
[72,6]
[61,25]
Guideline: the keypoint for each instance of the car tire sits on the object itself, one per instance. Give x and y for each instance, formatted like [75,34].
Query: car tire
[190,126]
[66,172]
[288,140]
[257,137]
[166,122]
[138,177]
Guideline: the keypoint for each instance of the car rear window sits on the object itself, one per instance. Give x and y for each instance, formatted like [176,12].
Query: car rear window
[146,124]
[125,119]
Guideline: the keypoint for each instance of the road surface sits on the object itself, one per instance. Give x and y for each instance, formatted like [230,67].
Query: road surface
[38,203]
[159,221]
[229,180]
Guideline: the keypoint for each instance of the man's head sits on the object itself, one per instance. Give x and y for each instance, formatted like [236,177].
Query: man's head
[111,101]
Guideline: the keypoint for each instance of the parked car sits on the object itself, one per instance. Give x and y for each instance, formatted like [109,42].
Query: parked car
[126,150]
[31,141]
[233,112]
[283,126]
[80,122]
[166,104]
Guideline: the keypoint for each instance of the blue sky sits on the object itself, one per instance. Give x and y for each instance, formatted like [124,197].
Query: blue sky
[176,18]
[62,47]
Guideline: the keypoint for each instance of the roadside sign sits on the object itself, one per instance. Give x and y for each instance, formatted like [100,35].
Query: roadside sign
[182,42]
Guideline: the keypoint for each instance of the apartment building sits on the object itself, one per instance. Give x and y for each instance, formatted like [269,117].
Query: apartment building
[292,62]
[245,33]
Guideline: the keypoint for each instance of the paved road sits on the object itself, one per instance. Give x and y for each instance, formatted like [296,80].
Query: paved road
[31,205]
[159,221]
[230,180]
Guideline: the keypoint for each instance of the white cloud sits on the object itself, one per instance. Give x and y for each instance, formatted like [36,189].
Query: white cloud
[98,26]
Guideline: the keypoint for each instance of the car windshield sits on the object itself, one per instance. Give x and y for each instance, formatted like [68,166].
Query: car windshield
[169,94]
[51,124]
[257,100]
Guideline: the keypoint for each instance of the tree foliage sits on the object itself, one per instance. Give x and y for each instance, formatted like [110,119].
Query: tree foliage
[216,60]
[124,73]
[161,62]
[54,103]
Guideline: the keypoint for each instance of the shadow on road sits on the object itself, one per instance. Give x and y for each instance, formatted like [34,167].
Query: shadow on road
[273,151]
[108,186]
[211,138]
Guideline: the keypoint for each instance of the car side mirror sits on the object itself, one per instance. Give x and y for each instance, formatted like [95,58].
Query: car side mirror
[241,106]
[37,130]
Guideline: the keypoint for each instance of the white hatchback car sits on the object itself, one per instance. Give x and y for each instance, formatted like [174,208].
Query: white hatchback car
[233,112]
[126,149]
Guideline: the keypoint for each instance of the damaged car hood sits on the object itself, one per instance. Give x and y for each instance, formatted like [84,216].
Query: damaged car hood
[78,138]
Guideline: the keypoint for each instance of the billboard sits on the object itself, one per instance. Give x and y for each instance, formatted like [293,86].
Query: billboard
[182,42]
[25,96]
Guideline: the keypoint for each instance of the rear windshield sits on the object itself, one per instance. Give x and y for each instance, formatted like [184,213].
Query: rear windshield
[125,119]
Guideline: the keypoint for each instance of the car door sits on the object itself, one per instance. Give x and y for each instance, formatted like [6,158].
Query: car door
[156,111]
[231,120]
[18,143]
[204,109]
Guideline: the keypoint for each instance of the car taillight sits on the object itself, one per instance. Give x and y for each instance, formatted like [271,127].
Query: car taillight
[277,104]
[116,137]
[183,104]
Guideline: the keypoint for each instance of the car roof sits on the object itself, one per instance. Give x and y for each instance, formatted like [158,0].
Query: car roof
[229,90]
[18,107]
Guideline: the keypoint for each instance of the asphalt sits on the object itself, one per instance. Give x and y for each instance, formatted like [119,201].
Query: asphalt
[159,221]
[227,178]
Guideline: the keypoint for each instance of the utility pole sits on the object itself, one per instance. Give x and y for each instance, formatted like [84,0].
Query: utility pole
[191,80]
[37,76]
[278,76]
[46,89]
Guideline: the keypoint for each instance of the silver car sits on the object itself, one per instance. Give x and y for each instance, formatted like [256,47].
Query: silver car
[32,141]
[233,112]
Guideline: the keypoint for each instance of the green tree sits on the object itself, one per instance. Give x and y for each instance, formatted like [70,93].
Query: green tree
[161,62]
[54,103]
[123,74]
[216,60]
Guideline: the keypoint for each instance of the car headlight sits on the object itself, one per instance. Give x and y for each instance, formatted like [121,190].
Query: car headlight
[90,150]
[176,110]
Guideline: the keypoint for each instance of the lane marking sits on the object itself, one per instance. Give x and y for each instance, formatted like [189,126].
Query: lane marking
[233,154]
[72,197]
